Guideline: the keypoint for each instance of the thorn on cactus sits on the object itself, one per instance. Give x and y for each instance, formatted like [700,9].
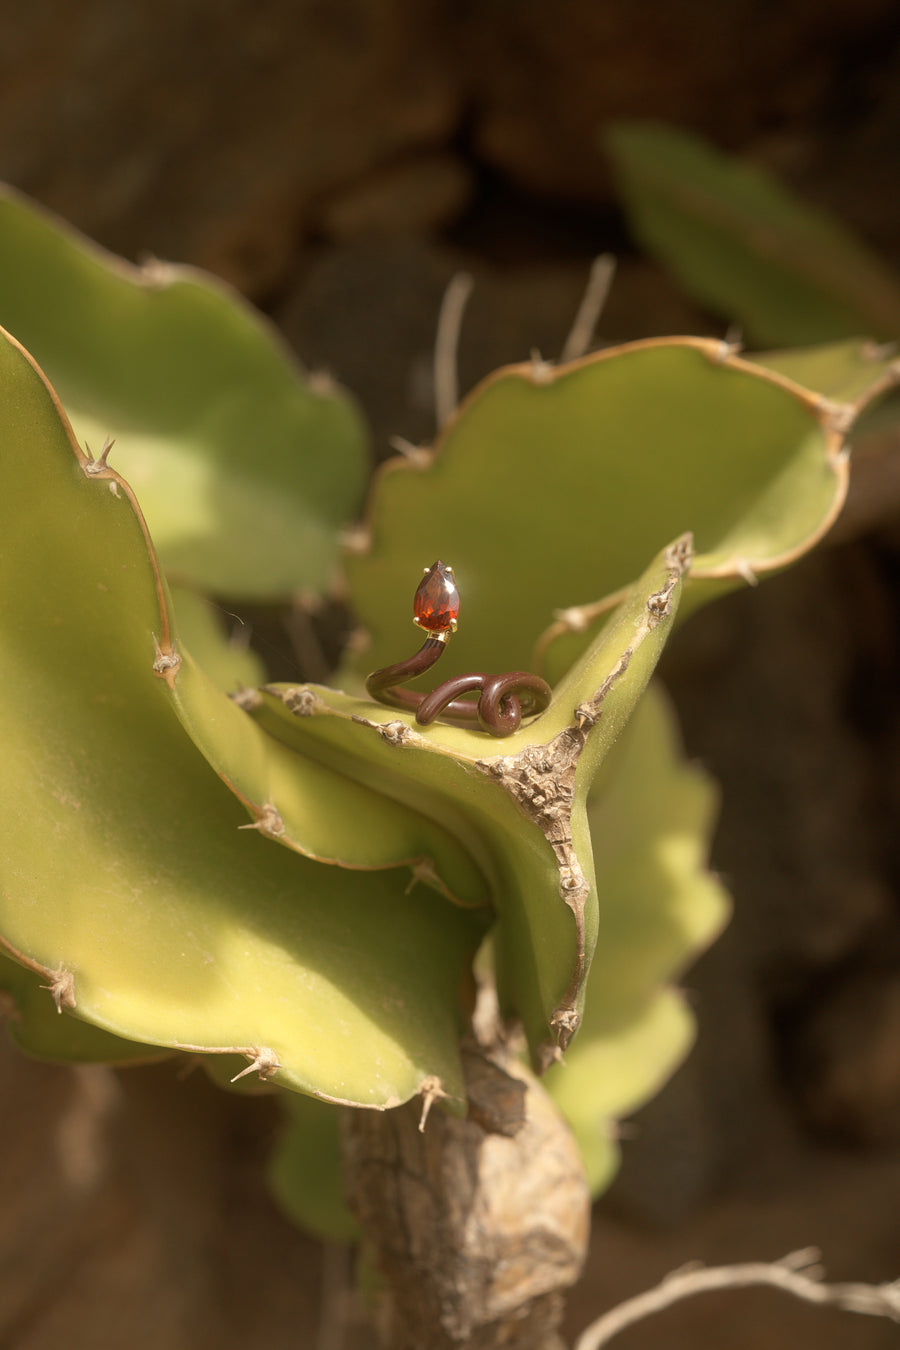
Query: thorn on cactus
[431,1090]
[731,345]
[268,822]
[100,465]
[62,989]
[262,1061]
[837,417]
[540,371]
[166,661]
[422,870]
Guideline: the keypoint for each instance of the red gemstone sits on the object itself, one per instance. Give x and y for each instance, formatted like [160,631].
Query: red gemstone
[436,604]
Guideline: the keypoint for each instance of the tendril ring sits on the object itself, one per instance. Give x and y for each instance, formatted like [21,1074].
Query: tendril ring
[503,700]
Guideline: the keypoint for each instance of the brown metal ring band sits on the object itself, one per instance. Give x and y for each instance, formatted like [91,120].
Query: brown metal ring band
[503,700]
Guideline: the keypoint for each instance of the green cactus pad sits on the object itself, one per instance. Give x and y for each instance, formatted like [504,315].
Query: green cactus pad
[551,487]
[518,804]
[651,817]
[245,469]
[744,245]
[128,885]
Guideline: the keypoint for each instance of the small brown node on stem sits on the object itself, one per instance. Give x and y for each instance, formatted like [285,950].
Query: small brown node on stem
[566,1020]
[395,733]
[247,699]
[681,552]
[301,701]
[660,603]
[165,661]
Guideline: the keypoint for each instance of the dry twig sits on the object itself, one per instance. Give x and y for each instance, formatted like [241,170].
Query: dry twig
[446,347]
[581,334]
[798,1273]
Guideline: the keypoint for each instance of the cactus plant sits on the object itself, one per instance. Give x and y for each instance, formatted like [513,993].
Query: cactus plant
[298,879]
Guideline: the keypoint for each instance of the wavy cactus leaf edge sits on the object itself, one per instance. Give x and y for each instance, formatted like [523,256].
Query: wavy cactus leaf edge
[406,1054]
[769,447]
[218,424]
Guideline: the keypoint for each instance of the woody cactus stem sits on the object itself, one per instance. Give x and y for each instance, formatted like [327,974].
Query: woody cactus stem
[478,1225]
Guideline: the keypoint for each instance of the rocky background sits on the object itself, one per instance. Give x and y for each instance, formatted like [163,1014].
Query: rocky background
[339,161]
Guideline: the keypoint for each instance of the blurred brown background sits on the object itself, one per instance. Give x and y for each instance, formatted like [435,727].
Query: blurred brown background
[339,161]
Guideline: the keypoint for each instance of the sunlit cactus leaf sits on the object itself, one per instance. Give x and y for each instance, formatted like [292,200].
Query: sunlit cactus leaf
[550,488]
[127,884]
[245,468]
[651,816]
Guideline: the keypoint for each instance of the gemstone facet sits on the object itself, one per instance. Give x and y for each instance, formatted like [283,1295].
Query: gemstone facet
[436,603]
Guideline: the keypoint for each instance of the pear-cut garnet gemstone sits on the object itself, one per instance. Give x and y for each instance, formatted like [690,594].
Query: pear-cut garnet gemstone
[436,603]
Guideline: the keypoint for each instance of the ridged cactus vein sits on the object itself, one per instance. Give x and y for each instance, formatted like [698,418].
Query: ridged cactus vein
[651,816]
